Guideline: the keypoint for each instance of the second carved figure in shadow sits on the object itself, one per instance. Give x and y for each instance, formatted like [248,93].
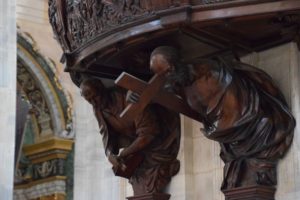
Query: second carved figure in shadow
[154,135]
[243,110]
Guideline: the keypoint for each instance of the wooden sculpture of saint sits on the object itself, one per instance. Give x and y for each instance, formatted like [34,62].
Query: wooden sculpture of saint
[243,110]
[154,135]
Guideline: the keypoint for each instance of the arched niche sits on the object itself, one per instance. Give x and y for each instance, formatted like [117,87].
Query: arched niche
[46,157]
[51,106]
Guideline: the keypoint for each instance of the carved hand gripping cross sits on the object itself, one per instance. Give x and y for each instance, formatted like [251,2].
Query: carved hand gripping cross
[152,92]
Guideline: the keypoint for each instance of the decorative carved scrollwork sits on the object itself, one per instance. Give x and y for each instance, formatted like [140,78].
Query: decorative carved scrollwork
[40,80]
[49,168]
[39,106]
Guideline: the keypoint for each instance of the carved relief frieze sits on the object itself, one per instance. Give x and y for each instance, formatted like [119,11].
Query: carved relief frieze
[49,168]
[57,25]
[85,19]
[287,20]
[23,173]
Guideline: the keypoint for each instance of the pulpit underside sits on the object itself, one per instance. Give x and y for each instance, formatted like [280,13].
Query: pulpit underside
[120,36]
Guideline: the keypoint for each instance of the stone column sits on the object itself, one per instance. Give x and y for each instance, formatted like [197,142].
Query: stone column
[8,95]
[47,177]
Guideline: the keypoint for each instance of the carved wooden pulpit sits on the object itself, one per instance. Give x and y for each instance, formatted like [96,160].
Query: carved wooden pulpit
[113,40]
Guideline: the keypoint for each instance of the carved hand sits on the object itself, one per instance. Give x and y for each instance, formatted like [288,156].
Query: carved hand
[124,153]
[132,97]
[116,162]
[139,144]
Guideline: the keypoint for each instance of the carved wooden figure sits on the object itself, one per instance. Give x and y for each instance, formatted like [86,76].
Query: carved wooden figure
[150,141]
[245,112]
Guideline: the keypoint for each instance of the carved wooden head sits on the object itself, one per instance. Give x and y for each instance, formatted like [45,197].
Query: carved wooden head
[163,59]
[92,90]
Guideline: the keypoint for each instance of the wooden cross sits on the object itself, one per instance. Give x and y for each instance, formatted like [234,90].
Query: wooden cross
[152,92]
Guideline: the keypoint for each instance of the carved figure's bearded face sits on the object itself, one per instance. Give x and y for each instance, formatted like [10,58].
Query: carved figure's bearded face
[167,60]
[88,93]
[91,93]
[163,60]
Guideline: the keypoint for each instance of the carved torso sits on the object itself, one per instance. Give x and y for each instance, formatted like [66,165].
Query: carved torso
[214,92]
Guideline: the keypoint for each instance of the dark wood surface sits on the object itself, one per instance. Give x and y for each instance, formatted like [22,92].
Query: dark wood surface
[144,149]
[153,196]
[250,193]
[133,109]
[131,163]
[242,26]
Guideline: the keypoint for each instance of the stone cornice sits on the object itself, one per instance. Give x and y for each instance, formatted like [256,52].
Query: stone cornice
[49,145]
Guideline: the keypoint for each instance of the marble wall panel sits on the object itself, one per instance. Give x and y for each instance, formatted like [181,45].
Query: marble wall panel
[93,179]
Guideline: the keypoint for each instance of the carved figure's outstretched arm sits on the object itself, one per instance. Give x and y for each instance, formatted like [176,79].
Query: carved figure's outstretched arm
[147,128]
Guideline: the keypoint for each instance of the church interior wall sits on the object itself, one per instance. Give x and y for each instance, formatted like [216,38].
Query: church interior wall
[32,17]
[93,175]
[282,63]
